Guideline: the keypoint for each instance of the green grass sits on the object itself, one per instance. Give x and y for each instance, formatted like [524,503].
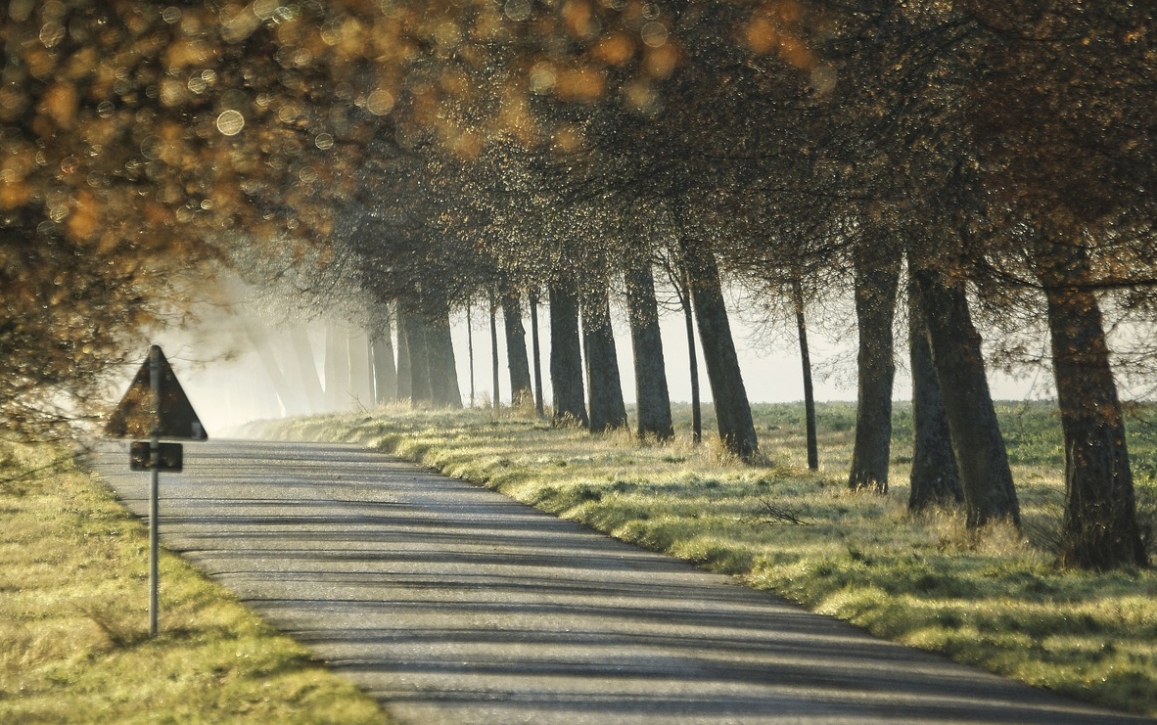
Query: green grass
[991,598]
[74,645]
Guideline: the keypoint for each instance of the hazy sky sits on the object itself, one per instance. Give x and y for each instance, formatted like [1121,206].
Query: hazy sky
[771,374]
[226,392]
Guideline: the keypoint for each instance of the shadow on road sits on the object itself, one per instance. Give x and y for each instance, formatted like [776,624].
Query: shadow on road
[453,604]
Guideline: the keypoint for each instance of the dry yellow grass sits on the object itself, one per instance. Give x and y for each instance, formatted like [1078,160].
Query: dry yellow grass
[74,644]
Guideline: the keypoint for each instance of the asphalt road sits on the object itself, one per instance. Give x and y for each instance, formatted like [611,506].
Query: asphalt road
[454,605]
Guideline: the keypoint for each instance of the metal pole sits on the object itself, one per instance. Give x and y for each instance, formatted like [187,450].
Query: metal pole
[155,466]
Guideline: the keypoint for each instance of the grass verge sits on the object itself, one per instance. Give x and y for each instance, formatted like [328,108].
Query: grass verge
[991,598]
[74,645]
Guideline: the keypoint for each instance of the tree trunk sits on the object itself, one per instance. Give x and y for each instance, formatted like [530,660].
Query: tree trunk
[875,288]
[292,400]
[1100,526]
[520,390]
[385,371]
[420,392]
[989,494]
[732,410]
[692,358]
[337,368]
[470,351]
[361,380]
[935,477]
[307,367]
[444,390]
[653,403]
[809,399]
[496,401]
[604,386]
[539,403]
[405,372]
[566,366]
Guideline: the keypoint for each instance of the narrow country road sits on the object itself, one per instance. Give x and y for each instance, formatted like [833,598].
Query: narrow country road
[454,605]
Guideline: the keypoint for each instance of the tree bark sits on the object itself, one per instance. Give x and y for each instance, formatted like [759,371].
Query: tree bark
[361,380]
[1100,528]
[653,403]
[520,390]
[604,386]
[935,477]
[496,401]
[875,289]
[809,399]
[470,351]
[405,371]
[385,371]
[732,409]
[420,392]
[692,358]
[989,494]
[307,367]
[292,400]
[337,368]
[444,390]
[539,403]
[566,366]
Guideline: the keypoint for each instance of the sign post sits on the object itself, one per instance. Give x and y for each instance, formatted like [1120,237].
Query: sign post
[154,487]
[155,406]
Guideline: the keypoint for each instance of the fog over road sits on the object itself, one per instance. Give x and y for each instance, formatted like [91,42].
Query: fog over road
[455,605]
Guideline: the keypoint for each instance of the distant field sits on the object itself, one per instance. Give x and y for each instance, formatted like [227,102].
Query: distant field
[992,599]
[74,646]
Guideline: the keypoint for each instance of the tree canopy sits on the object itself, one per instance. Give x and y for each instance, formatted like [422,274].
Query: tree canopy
[423,151]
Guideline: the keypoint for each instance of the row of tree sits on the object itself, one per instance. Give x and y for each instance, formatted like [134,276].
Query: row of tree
[994,156]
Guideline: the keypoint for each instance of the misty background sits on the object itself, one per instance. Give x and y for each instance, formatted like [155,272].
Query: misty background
[218,360]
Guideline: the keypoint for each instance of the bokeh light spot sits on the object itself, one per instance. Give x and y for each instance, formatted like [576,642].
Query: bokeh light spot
[230,123]
[51,34]
[264,9]
[823,78]
[542,78]
[380,102]
[517,10]
[654,34]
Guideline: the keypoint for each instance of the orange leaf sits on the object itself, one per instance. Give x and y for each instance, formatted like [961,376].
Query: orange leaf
[60,104]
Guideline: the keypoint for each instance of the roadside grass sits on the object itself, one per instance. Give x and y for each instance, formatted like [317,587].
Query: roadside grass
[991,598]
[74,645]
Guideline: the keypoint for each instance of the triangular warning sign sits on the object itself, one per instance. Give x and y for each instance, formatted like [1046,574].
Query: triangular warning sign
[138,415]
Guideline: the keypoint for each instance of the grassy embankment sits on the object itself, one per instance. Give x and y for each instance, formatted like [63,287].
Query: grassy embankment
[74,645]
[993,599]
